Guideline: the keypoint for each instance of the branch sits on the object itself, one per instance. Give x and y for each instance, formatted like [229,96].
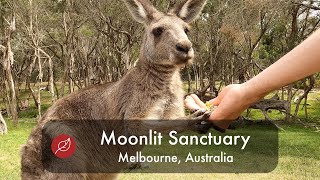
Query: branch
[109,22]
[300,121]
[257,65]
[94,46]
[309,6]
[2,48]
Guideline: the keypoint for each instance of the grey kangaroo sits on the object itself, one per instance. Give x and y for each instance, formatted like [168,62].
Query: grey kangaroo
[152,90]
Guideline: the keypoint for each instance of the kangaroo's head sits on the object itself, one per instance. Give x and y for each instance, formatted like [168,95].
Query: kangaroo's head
[166,39]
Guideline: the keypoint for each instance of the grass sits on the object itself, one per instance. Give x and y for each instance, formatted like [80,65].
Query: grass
[299,159]
[298,149]
[299,155]
[259,155]
[10,146]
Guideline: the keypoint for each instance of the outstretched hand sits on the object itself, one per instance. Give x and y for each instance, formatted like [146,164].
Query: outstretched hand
[231,102]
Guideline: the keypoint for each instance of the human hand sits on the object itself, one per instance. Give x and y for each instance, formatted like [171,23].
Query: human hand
[231,102]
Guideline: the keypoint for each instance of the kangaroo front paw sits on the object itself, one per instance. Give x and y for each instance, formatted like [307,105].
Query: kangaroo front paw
[199,121]
[201,124]
[203,127]
[201,114]
[137,165]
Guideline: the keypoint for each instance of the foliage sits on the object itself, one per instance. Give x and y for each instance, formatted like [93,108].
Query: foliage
[81,43]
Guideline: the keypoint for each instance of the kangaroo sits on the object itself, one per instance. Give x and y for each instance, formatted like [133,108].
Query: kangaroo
[3,125]
[152,90]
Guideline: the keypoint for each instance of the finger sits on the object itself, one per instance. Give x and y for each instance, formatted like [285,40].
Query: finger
[189,100]
[192,106]
[198,101]
[215,101]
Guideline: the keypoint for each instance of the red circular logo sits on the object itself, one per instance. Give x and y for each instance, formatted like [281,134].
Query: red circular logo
[63,146]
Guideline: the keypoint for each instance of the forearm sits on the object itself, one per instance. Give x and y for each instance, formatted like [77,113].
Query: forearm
[301,62]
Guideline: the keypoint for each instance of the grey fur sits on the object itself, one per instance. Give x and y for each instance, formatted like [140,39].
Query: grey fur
[150,91]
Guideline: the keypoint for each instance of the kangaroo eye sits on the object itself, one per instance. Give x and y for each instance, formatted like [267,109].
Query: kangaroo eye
[157,32]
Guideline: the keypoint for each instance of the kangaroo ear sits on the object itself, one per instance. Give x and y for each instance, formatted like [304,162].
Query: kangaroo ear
[189,10]
[141,10]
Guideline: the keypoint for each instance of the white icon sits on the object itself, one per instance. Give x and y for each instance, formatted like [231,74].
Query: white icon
[64,146]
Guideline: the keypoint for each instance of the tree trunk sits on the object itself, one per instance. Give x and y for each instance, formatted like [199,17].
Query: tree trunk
[291,44]
[289,99]
[51,80]
[40,76]
[13,104]
[201,74]
[71,73]
[51,77]
[189,79]
[28,83]
[196,76]
[305,96]
[7,63]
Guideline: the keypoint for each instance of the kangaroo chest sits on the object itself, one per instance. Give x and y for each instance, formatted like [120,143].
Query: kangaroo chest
[169,105]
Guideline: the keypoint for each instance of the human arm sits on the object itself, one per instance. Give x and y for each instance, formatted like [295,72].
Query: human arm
[301,62]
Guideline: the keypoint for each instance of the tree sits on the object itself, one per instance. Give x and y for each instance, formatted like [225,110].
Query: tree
[7,63]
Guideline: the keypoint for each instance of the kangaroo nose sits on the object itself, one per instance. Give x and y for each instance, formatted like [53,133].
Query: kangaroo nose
[184,46]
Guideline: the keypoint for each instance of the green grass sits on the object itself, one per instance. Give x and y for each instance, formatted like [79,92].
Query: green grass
[298,147]
[259,155]
[10,146]
[299,159]
[299,156]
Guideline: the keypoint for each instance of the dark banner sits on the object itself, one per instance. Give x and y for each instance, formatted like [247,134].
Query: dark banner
[112,146]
